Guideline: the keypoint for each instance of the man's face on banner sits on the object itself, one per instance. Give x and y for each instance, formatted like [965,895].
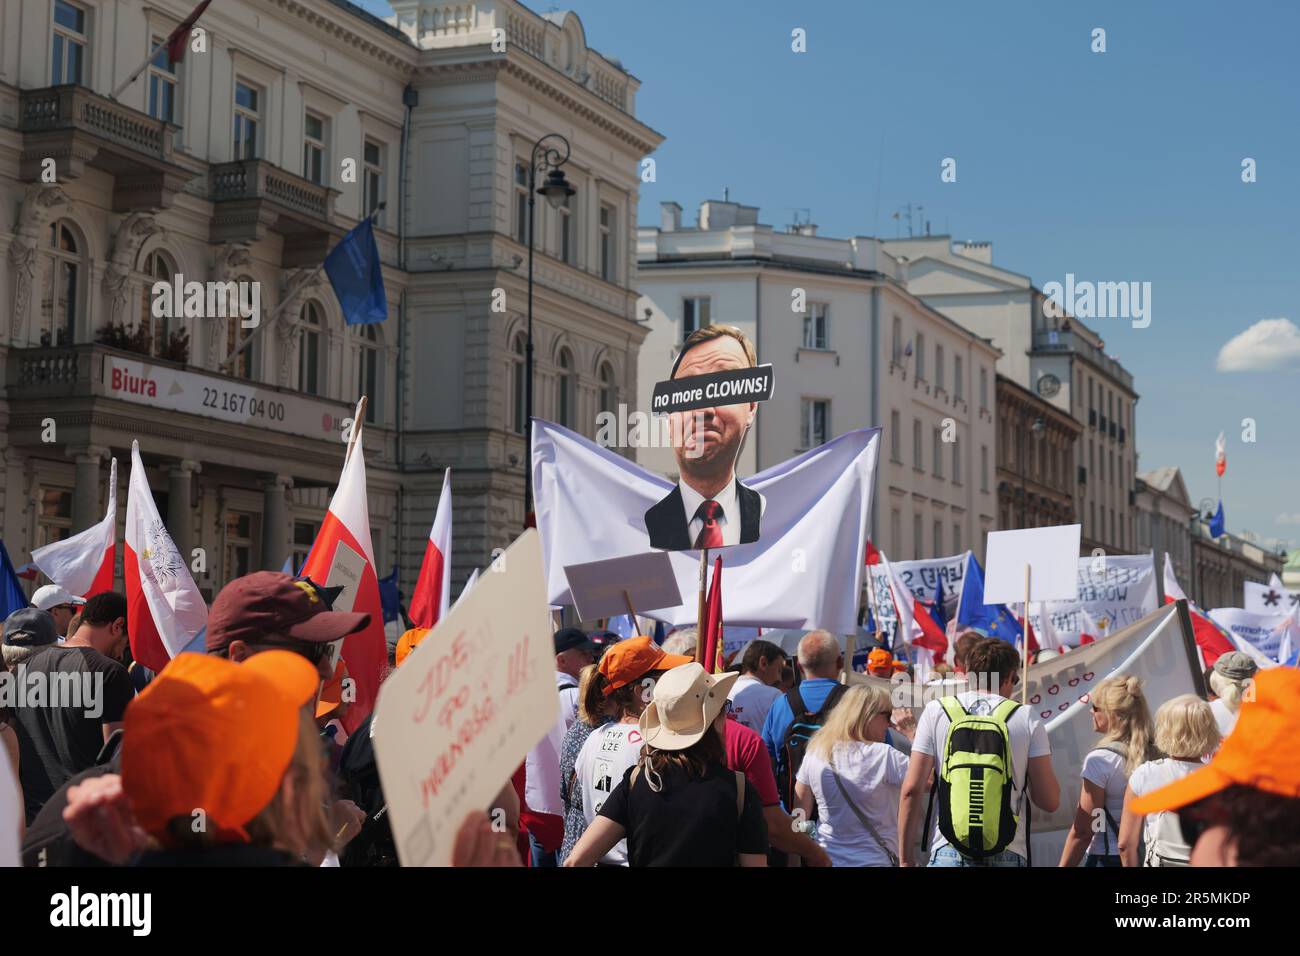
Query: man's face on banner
[707,441]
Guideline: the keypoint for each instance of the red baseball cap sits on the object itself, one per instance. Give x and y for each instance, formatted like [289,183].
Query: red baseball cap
[264,603]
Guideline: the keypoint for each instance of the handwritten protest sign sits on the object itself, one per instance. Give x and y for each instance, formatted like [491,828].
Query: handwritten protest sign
[458,716]
[1115,590]
[919,577]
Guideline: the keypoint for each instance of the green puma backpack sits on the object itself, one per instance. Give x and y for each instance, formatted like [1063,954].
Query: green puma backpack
[975,781]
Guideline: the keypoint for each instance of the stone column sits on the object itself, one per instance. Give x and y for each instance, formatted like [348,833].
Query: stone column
[180,505]
[275,521]
[86,506]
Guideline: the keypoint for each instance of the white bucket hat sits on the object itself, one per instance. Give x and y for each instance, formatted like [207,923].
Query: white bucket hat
[686,701]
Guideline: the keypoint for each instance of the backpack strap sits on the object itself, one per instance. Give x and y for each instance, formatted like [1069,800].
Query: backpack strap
[740,794]
[862,818]
[1004,710]
[795,702]
[829,703]
[953,707]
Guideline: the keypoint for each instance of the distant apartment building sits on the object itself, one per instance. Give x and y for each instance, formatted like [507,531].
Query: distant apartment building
[1036,442]
[851,347]
[1221,566]
[1060,359]
[1164,521]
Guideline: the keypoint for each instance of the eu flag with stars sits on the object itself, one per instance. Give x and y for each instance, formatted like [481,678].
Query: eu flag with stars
[1216,522]
[354,272]
[994,619]
[12,597]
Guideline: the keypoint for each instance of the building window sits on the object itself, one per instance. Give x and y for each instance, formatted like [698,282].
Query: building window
[697,312]
[239,544]
[151,329]
[916,445]
[895,530]
[521,203]
[248,100]
[162,84]
[938,366]
[918,547]
[54,519]
[518,376]
[374,175]
[816,326]
[608,242]
[898,341]
[61,305]
[368,370]
[938,538]
[565,396]
[304,535]
[313,149]
[920,356]
[984,388]
[70,40]
[937,463]
[956,461]
[984,467]
[895,438]
[567,245]
[958,382]
[956,538]
[608,389]
[243,365]
[816,422]
[310,353]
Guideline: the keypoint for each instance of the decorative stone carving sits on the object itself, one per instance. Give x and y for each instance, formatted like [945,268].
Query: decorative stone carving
[233,257]
[41,203]
[297,283]
[134,230]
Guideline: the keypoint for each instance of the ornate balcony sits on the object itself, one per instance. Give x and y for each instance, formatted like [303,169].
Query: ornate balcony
[253,196]
[76,127]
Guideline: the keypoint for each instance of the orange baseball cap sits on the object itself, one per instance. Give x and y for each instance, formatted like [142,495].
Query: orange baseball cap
[212,735]
[1259,753]
[629,660]
[408,642]
[331,692]
[880,660]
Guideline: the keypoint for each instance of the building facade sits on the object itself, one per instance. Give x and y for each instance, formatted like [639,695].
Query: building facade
[1036,442]
[1222,566]
[1059,358]
[284,125]
[1164,520]
[851,347]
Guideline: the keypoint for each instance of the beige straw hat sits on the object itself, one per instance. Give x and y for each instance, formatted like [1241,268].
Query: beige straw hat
[686,701]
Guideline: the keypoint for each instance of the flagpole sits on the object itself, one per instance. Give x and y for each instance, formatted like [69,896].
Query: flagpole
[121,87]
[357,420]
[275,313]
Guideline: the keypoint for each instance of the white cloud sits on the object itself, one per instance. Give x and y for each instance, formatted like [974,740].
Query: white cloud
[1270,345]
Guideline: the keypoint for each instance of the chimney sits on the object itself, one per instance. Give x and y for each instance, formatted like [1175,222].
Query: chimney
[670,217]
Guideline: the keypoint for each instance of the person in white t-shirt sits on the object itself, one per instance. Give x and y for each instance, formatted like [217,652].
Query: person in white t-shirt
[755,690]
[626,678]
[1120,714]
[1230,680]
[1185,730]
[853,777]
[991,663]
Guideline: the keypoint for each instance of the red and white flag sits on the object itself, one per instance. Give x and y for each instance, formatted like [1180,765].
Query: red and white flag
[433,588]
[178,39]
[342,555]
[83,564]
[917,628]
[1220,456]
[164,609]
[1210,641]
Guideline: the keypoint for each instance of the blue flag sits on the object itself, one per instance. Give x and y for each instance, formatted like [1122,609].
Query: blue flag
[938,613]
[993,619]
[661,632]
[12,597]
[389,598]
[358,281]
[623,626]
[1216,522]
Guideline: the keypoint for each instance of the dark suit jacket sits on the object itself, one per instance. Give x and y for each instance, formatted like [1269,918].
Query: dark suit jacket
[668,525]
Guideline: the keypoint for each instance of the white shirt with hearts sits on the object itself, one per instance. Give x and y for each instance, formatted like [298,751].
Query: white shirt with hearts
[600,766]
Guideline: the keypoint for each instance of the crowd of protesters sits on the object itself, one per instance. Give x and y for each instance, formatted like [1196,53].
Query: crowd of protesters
[237,756]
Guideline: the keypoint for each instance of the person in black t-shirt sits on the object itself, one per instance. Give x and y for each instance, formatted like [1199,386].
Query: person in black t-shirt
[680,805]
[83,692]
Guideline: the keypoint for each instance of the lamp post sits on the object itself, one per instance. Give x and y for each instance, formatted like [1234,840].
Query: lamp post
[557,191]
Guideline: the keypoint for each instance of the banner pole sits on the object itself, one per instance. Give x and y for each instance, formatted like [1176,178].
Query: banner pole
[699,618]
[1024,648]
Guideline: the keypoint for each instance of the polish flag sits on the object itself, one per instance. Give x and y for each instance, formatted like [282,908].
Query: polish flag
[1210,641]
[1220,456]
[179,38]
[342,555]
[164,609]
[83,564]
[433,588]
[915,624]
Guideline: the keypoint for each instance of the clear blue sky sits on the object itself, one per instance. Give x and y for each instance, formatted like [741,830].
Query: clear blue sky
[1123,165]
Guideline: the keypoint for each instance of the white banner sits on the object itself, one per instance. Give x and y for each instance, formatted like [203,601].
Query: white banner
[1116,590]
[920,578]
[225,399]
[1269,599]
[804,572]
[1265,632]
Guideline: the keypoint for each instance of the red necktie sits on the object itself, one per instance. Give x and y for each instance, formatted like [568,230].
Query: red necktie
[710,535]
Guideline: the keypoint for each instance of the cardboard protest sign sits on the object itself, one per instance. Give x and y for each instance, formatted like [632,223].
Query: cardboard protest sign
[1115,590]
[1051,554]
[606,588]
[457,718]
[711,397]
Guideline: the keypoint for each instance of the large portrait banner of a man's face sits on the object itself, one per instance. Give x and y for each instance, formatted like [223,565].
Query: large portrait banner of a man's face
[711,398]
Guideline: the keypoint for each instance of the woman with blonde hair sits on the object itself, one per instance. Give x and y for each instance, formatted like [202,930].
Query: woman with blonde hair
[853,778]
[1121,716]
[1186,730]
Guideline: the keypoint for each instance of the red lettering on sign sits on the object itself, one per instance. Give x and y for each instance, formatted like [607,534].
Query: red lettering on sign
[446,762]
[124,381]
[438,675]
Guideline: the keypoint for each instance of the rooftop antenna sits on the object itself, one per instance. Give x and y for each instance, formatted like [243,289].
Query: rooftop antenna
[726,194]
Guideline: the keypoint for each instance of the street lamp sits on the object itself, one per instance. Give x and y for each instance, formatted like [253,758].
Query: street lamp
[557,191]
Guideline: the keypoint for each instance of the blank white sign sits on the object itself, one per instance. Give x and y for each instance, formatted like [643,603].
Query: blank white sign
[1053,558]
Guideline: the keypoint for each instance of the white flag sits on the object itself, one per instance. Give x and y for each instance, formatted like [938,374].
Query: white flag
[804,572]
[83,564]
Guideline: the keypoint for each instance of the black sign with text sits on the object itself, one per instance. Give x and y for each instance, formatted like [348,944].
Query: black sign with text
[733,387]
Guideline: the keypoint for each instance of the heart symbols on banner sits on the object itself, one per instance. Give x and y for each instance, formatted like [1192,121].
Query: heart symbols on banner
[1074,682]
[1045,714]
[1036,699]
[1054,690]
